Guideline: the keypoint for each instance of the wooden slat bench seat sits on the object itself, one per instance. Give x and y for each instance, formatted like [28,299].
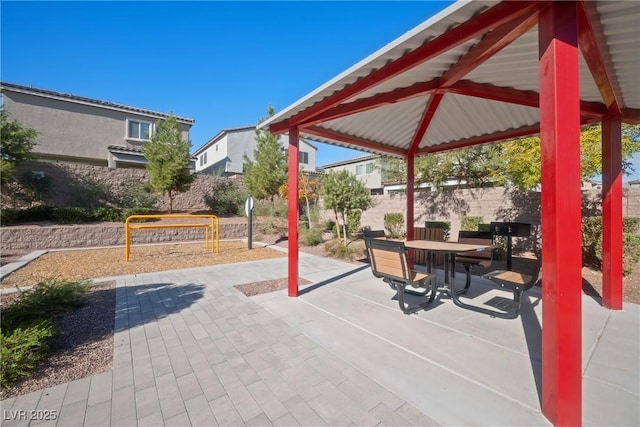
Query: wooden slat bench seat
[389,262]
[469,259]
[514,281]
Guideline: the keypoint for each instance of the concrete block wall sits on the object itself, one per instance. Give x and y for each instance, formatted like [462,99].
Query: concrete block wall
[33,237]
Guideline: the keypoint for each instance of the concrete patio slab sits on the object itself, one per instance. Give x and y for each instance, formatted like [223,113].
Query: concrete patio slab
[190,349]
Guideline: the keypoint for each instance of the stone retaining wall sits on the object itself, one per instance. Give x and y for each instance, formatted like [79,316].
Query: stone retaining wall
[33,237]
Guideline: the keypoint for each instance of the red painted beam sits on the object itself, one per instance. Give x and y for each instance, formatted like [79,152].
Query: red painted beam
[494,17]
[482,139]
[560,215]
[358,142]
[410,196]
[588,29]
[365,104]
[491,44]
[612,213]
[425,121]
[527,98]
[292,213]
[631,116]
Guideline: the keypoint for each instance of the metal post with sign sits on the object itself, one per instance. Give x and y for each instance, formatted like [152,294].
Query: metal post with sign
[248,209]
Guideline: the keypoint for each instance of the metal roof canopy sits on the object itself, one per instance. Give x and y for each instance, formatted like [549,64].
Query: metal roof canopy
[487,71]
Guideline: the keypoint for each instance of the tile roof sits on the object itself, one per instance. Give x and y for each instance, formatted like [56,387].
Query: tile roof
[88,101]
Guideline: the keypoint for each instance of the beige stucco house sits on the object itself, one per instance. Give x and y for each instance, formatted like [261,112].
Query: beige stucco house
[76,129]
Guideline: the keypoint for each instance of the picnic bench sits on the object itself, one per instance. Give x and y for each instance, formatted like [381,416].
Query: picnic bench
[389,262]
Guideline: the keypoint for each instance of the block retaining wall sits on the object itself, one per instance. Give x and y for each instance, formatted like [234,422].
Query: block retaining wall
[33,237]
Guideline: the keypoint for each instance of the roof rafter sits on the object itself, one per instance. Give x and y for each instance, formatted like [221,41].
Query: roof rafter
[492,43]
[375,101]
[494,17]
[588,29]
[425,121]
[349,139]
[527,98]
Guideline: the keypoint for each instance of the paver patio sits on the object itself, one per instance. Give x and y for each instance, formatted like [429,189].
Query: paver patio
[190,349]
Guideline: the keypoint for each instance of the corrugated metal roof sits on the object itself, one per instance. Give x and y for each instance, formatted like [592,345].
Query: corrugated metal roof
[391,126]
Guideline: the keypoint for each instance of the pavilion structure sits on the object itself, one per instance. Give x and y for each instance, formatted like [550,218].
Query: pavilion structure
[487,71]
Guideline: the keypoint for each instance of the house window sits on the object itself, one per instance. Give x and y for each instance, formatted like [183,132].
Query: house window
[203,159]
[369,168]
[138,130]
[359,169]
[303,157]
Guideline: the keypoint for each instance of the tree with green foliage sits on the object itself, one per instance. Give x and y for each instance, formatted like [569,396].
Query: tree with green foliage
[264,175]
[16,144]
[516,161]
[522,156]
[168,159]
[344,193]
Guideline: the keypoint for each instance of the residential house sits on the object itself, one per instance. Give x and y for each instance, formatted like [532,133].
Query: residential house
[365,168]
[83,130]
[224,153]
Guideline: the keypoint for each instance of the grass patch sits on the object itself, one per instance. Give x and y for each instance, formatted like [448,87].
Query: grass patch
[352,250]
[27,329]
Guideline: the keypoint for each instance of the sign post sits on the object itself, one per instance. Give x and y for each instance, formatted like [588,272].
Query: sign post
[248,209]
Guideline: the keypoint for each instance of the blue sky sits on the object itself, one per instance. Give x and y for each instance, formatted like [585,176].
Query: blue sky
[220,63]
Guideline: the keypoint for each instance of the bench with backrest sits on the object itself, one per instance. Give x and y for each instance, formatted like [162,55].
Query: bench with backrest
[469,259]
[389,262]
[428,233]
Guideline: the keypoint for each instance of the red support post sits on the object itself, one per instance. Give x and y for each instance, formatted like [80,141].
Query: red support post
[410,195]
[612,213]
[292,212]
[560,214]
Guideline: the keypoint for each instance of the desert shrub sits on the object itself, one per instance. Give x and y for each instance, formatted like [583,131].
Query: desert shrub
[310,237]
[394,224]
[43,301]
[592,243]
[72,215]
[27,326]
[353,222]
[226,198]
[631,225]
[107,214]
[329,225]
[22,349]
[337,249]
[470,223]
[276,208]
[138,196]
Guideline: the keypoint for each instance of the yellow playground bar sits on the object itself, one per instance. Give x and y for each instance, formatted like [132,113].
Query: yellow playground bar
[211,228]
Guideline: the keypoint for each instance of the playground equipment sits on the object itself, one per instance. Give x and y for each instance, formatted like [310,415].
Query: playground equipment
[210,229]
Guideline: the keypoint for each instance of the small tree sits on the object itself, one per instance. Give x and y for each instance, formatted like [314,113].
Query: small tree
[264,175]
[168,159]
[16,143]
[343,192]
[307,191]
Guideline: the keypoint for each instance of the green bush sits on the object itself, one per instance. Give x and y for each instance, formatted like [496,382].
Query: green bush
[353,222]
[27,326]
[337,249]
[72,215]
[470,223]
[394,224]
[138,197]
[106,214]
[22,349]
[276,208]
[592,243]
[310,237]
[226,198]
[329,225]
[445,225]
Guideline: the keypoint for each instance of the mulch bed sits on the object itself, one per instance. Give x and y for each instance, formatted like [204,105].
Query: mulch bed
[265,286]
